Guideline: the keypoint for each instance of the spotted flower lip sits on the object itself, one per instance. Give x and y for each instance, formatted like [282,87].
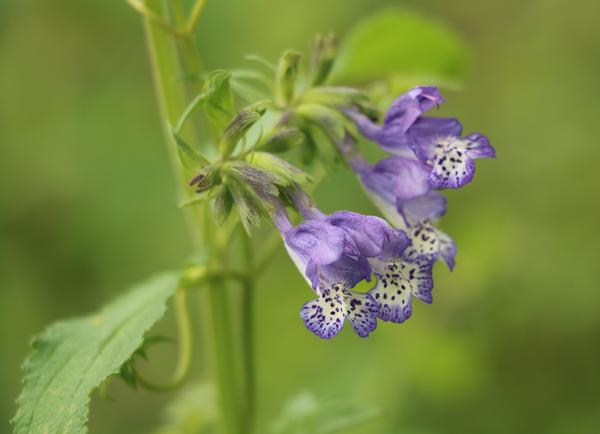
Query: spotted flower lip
[333,252]
[436,142]
[400,188]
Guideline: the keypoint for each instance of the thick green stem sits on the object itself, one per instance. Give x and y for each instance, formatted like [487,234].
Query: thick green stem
[166,64]
[248,289]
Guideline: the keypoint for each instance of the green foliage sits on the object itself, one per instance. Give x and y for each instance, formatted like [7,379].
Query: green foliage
[307,413]
[72,358]
[401,45]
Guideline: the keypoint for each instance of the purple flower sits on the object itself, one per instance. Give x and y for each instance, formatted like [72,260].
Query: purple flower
[333,252]
[400,188]
[398,280]
[436,142]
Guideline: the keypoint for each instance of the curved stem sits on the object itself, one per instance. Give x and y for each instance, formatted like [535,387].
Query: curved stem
[184,332]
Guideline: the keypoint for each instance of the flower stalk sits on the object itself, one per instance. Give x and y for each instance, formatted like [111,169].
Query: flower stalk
[167,56]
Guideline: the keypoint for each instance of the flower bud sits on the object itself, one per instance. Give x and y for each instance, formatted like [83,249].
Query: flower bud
[286,75]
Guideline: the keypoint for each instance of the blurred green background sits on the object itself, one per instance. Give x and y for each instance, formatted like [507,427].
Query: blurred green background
[512,343]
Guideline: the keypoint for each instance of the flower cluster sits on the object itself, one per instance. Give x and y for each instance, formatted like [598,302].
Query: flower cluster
[335,252]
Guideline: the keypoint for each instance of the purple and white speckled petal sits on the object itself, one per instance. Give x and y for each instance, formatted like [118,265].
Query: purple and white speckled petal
[397,281]
[478,146]
[452,166]
[447,249]
[324,316]
[362,313]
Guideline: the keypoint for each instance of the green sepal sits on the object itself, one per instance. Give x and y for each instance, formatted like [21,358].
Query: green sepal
[190,159]
[247,203]
[281,141]
[240,124]
[206,178]
[323,57]
[286,76]
[262,182]
[287,172]
[222,204]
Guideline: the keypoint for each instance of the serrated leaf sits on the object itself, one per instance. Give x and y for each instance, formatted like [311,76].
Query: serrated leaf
[396,43]
[72,358]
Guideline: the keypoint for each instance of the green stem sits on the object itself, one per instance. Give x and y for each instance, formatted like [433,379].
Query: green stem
[166,66]
[184,341]
[248,289]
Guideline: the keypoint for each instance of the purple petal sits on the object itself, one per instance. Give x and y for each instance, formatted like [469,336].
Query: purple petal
[396,279]
[452,168]
[407,108]
[430,206]
[316,241]
[426,133]
[425,243]
[346,269]
[366,126]
[324,316]
[478,146]
[362,313]
[369,233]
[397,178]
[447,249]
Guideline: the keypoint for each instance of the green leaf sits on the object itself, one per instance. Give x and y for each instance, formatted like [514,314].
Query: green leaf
[397,44]
[72,358]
